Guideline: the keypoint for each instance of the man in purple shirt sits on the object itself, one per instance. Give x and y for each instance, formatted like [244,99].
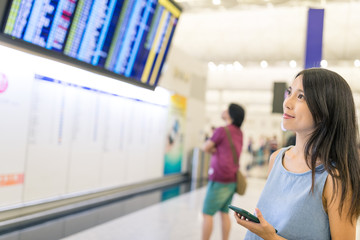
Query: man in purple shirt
[222,171]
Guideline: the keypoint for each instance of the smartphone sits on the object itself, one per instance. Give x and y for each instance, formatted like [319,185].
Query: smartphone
[245,213]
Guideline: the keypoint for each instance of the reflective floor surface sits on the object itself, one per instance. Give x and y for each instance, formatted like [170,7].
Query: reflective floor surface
[178,218]
[65,226]
[173,213]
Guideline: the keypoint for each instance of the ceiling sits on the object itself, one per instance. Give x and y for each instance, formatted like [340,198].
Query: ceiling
[272,30]
[201,5]
[249,32]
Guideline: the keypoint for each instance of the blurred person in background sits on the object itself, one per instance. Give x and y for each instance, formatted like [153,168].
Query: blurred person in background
[222,172]
[291,141]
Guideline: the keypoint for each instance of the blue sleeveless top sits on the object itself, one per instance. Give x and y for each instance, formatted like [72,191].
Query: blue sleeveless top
[288,204]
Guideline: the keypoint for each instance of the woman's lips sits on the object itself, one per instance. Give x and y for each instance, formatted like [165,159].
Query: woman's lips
[287,116]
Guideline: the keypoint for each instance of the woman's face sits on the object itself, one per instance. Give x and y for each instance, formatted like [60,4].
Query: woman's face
[225,115]
[297,116]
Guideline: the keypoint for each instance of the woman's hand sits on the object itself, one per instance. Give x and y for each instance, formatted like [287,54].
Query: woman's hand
[209,147]
[212,150]
[262,229]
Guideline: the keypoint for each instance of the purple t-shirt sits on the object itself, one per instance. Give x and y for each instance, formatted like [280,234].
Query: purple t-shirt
[222,167]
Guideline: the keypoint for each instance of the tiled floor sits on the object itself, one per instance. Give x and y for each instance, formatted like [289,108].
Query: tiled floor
[63,226]
[175,219]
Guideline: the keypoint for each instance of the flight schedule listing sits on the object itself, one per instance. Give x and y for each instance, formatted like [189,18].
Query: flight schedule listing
[128,37]
[44,23]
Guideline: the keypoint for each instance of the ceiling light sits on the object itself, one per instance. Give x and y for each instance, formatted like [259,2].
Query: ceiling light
[212,66]
[323,63]
[216,2]
[237,66]
[221,67]
[263,64]
[229,67]
[292,63]
[357,63]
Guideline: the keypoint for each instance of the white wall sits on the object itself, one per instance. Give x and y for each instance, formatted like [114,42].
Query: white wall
[187,76]
[68,131]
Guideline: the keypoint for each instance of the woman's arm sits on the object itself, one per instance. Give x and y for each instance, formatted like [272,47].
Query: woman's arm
[262,229]
[209,146]
[341,226]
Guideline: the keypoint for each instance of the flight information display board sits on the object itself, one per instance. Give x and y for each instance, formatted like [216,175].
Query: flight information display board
[129,38]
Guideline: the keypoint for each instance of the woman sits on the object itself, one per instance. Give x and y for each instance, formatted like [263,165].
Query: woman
[222,172]
[312,191]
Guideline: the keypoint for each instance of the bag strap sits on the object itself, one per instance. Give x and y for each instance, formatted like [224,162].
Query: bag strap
[231,145]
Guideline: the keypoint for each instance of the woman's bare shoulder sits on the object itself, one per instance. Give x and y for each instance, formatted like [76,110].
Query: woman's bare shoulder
[272,159]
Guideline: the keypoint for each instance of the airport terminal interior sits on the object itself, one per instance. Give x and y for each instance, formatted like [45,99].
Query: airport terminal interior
[105,106]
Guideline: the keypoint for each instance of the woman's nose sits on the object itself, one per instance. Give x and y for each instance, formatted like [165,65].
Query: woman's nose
[287,103]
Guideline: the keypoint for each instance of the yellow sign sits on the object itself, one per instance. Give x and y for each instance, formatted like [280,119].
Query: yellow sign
[170,7]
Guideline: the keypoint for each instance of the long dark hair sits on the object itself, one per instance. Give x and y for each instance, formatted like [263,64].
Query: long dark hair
[335,136]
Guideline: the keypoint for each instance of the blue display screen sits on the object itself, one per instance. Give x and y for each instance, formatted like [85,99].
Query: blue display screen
[130,38]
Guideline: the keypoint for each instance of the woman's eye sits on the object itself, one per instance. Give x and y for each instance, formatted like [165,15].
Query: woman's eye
[287,93]
[301,96]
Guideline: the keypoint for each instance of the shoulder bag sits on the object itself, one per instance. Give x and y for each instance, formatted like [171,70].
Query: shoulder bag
[240,178]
